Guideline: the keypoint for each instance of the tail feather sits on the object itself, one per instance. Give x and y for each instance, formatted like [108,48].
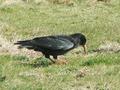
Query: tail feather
[25,44]
[22,42]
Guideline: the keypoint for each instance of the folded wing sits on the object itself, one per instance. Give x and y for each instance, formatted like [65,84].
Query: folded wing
[53,43]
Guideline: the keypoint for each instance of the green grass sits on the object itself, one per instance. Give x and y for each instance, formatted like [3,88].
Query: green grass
[103,59]
[103,72]
[99,22]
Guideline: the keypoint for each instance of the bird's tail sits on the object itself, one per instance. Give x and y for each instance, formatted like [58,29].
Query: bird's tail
[24,44]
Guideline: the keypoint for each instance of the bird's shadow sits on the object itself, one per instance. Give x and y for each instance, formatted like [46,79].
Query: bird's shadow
[38,62]
[41,62]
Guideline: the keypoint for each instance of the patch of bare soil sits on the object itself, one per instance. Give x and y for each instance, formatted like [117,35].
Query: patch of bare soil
[108,47]
[7,47]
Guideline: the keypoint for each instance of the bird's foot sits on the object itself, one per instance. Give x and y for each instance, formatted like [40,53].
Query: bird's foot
[61,62]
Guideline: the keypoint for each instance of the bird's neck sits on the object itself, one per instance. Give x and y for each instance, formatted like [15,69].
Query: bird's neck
[75,40]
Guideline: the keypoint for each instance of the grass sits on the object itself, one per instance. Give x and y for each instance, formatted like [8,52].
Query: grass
[99,22]
[103,73]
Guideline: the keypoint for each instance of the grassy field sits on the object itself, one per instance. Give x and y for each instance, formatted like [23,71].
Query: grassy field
[99,21]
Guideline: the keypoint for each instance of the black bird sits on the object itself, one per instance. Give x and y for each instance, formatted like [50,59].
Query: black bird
[55,45]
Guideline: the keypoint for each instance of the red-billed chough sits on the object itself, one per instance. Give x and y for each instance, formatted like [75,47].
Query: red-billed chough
[54,45]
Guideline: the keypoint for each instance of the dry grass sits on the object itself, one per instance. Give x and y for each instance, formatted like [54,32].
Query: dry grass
[113,47]
[7,47]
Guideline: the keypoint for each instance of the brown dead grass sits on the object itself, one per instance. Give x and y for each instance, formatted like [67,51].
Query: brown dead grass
[109,46]
[7,47]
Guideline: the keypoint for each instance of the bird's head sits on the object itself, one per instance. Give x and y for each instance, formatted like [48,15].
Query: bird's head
[79,40]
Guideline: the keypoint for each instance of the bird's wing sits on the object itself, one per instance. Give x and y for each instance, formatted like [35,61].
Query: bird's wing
[53,43]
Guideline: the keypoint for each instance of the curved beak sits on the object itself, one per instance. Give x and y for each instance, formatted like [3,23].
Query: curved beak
[85,49]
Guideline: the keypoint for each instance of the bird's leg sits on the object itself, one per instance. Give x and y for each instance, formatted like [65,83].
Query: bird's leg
[52,60]
[85,49]
[55,57]
[48,56]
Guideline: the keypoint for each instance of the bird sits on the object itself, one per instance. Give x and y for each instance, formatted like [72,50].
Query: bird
[54,45]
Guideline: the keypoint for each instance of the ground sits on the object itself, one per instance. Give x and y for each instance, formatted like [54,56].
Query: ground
[28,70]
